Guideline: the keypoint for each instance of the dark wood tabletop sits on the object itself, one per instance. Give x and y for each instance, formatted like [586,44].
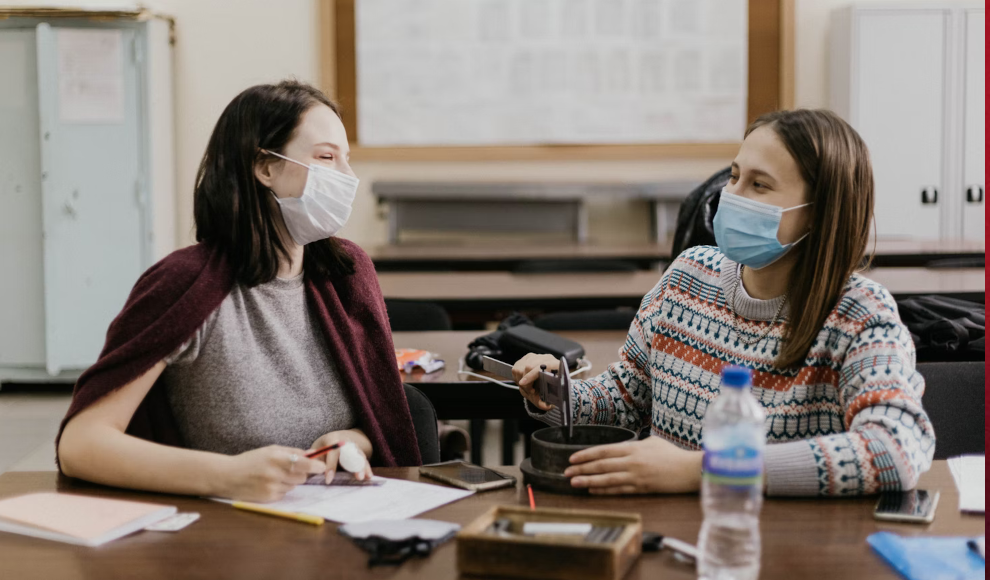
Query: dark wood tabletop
[804,539]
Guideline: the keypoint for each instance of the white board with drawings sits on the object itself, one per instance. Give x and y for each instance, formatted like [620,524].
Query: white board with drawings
[525,72]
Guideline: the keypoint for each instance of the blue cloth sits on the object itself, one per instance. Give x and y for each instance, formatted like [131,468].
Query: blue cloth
[929,558]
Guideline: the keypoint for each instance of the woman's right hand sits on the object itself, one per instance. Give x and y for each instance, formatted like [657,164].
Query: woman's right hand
[268,473]
[525,372]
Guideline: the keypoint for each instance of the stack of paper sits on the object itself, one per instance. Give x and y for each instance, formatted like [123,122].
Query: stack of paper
[970,474]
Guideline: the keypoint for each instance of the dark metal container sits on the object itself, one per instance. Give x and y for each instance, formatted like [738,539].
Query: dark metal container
[551,452]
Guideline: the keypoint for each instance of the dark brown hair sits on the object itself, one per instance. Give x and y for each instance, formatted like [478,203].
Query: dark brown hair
[232,209]
[835,165]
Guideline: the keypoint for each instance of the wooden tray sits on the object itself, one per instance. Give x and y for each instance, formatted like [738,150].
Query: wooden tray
[479,551]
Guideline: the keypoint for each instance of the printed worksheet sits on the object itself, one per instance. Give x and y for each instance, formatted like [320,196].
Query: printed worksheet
[395,499]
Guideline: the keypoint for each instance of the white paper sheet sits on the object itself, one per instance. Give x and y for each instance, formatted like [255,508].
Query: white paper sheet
[502,72]
[90,75]
[397,499]
[970,474]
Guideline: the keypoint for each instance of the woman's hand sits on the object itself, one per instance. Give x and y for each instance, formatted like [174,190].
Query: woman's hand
[355,436]
[268,473]
[652,465]
[525,372]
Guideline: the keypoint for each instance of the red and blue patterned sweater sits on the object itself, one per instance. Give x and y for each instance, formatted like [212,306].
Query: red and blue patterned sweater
[847,421]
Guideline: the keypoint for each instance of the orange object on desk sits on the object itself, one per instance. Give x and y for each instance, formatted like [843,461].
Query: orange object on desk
[405,356]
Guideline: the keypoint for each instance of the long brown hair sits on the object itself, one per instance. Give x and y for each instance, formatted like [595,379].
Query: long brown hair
[232,209]
[835,165]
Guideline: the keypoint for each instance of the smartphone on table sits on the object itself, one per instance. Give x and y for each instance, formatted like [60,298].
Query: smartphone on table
[467,475]
[915,506]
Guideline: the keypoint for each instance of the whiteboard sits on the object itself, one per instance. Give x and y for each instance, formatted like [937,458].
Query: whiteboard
[525,72]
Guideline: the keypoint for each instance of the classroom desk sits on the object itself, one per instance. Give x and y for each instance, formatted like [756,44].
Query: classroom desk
[801,538]
[462,397]
[507,255]
[456,396]
[473,296]
[916,253]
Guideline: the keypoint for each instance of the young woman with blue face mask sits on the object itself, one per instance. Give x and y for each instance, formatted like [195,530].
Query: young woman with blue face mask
[268,338]
[833,365]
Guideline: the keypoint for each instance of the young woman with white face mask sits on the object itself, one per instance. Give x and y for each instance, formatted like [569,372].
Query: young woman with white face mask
[234,357]
[832,363]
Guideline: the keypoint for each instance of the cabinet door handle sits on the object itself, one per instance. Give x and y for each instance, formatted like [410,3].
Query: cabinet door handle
[974,194]
[929,195]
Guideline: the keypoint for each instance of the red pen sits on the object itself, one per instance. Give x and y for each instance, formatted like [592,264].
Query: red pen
[532,501]
[324,450]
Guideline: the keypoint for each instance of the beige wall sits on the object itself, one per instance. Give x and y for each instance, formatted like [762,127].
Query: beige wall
[225,46]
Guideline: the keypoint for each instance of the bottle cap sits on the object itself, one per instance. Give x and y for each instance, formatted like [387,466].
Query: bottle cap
[736,377]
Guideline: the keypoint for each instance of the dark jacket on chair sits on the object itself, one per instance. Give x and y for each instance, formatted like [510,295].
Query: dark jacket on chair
[694,219]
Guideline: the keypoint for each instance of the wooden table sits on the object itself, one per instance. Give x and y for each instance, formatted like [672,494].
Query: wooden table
[509,254]
[919,253]
[472,298]
[457,396]
[462,397]
[801,538]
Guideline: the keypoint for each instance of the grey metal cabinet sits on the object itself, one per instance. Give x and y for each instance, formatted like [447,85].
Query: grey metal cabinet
[86,183]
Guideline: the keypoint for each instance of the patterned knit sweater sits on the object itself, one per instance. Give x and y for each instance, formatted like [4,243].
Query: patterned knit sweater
[848,421]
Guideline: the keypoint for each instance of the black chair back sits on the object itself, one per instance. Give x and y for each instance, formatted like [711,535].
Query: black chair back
[416,315]
[697,214]
[955,400]
[424,418]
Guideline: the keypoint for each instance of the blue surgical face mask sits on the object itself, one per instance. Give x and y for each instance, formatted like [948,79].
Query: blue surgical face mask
[746,230]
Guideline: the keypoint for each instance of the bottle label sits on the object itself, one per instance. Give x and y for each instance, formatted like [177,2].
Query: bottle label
[740,466]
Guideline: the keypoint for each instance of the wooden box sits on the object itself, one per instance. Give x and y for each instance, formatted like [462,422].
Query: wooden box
[482,552]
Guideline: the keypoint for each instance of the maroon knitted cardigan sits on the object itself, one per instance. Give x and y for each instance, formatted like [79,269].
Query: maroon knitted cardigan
[175,296]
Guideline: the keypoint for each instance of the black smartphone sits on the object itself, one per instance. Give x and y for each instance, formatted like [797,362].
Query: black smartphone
[917,506]
[467,475]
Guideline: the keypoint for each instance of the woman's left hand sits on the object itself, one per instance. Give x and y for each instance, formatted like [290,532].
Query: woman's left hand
[652,465]
[355,436]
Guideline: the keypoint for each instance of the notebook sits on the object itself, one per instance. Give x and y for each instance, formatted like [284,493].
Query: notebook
[929,557]
[77,519]
[970,473]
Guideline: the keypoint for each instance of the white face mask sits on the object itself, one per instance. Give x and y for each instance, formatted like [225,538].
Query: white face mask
[324,206]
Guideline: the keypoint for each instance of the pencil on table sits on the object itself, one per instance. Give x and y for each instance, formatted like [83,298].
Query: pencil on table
[260,509]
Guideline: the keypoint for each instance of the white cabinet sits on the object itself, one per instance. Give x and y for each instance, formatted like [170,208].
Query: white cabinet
[910,79]
[974,126]
[86,177]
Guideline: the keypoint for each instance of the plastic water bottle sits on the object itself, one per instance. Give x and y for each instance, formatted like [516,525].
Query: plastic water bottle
[732,482]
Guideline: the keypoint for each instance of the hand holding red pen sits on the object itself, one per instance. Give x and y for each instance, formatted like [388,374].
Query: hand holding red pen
[328,447]
[266,474]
